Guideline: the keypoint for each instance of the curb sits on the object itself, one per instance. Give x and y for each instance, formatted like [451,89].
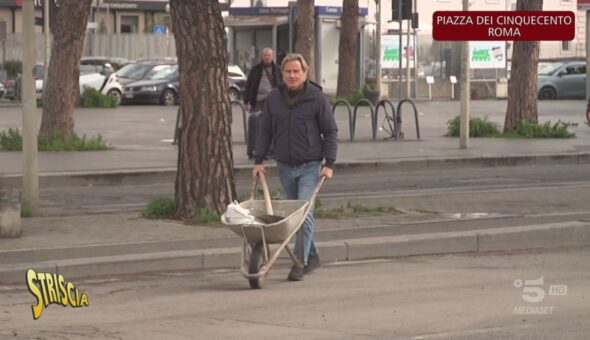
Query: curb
[243,171]
[552,235]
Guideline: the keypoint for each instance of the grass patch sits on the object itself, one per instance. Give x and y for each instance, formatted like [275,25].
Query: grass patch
[25,212]
[12,140]
[479,127]
[93,98]
[159,208]
[204,216]
[353,210]
[545,130]
[355,97]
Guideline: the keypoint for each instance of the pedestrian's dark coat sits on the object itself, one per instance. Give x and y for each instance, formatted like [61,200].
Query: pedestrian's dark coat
[305,131]
[253,81]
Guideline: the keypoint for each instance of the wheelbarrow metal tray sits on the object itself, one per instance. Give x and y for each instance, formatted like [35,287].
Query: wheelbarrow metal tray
[292,211]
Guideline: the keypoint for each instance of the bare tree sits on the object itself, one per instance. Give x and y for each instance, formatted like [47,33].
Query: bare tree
[348,48]
[304,41]
[522,98]
[205,176]
[68,25]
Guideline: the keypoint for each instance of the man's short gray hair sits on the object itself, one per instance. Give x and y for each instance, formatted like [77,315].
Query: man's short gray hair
[266,49]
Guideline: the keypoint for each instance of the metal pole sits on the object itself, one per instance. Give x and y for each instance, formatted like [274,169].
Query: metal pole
[465,89]
[30,193]
[47,43]
[399,83]
[587,54]
[408,83]
[378,74]
[415,65]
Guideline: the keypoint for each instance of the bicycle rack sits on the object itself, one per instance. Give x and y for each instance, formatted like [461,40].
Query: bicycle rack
[375,119]
[399,117]
[351,118]
[244,119]
[371,107]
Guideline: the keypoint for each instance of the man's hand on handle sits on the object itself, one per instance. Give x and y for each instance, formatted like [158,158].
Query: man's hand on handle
[328,172]
[258,168]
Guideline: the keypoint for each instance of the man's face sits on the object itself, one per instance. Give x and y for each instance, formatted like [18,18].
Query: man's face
[293,75]
[267,57]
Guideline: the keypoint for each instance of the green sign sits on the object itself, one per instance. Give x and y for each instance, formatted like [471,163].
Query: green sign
[391,54]
[480,55]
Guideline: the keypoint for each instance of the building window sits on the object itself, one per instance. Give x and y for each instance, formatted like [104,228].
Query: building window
[566,45]
[129,23]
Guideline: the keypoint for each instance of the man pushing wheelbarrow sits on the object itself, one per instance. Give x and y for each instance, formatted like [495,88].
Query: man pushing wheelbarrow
[298,120]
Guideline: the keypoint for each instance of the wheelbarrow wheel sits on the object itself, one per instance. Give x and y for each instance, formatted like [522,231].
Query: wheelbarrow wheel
[256,262]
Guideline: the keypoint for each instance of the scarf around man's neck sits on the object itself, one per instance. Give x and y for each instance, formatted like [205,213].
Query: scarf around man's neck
[292,97]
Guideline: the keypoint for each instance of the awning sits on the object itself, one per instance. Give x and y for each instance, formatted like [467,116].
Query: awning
[255,21]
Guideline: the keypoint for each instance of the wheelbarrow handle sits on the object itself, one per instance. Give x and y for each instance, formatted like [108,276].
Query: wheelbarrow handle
[265,191]
[317,190]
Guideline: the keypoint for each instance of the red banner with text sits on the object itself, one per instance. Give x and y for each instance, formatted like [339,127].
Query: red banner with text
[503,25]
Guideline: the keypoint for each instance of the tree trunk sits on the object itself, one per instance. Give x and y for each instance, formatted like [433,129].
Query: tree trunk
[522,97]
[305,33]
[348,48]
[68,24]
[205,175]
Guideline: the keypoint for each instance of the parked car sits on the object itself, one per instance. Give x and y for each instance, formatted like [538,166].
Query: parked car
[160,87]
[105,62]
[563,79]
[90,77]
[133,72]
[163,87]
[237,82]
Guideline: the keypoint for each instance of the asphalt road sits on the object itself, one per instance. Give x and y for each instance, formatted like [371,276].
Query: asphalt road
[447,297]
[503,190]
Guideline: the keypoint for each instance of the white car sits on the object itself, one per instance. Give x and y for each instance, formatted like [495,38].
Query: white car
[90,77]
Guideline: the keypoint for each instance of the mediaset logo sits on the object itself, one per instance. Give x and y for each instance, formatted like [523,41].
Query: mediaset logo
[50,288]
[533,293]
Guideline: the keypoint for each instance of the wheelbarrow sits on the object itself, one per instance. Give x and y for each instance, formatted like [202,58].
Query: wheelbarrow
[277,222]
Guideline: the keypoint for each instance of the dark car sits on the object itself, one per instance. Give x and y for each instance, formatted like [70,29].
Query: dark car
[563,79]
[160,87]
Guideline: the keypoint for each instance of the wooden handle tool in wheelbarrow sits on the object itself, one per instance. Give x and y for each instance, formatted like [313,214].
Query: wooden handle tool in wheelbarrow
[265,191]
[269,218]
[266,194]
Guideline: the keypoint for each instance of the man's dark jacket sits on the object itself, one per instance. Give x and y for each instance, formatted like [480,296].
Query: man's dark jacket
[305,131]
[253,81]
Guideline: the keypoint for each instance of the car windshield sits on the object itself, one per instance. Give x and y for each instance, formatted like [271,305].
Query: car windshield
[550,69]
[134,71]
[168,73]
[157,69]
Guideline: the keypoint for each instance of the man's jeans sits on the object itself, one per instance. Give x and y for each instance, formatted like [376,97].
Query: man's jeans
[299,183]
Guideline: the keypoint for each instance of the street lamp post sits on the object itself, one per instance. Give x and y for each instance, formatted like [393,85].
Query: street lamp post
[30,190]
[465,89]
[378,47]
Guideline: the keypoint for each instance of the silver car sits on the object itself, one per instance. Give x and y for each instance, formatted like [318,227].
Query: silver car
[564,79]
